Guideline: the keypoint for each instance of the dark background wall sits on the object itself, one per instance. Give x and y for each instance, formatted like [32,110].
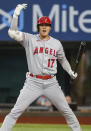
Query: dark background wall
[12,71]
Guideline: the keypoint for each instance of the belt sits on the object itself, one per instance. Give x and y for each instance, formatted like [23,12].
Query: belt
[43,77]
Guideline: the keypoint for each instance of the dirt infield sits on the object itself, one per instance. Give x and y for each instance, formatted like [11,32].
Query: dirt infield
[49,118]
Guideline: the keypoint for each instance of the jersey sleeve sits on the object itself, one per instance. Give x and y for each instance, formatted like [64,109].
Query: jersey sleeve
[63,60]
[60,52]
[27,39]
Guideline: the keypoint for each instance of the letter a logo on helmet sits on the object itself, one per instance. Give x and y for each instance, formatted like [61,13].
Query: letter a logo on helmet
[43,20]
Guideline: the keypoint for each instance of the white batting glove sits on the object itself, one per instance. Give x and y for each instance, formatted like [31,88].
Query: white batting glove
[72,74]
[18,9]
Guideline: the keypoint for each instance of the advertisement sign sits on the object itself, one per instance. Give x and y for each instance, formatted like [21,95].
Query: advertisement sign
[71,19]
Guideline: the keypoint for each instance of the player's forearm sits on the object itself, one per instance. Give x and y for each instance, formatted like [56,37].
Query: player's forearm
[65,64]
[17,12]
[13,31]
[14,23]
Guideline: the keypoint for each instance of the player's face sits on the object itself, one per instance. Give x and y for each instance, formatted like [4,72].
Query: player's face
[44,30]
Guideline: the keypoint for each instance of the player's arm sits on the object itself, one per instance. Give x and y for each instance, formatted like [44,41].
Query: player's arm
[64,63]
[13,31]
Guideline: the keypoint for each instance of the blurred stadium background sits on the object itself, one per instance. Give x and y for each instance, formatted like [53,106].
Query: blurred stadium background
[71,24]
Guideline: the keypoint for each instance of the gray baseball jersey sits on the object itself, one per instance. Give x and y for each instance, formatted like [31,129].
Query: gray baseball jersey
[41,54]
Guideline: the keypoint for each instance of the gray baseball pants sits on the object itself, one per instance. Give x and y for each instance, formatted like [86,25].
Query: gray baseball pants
[32,89]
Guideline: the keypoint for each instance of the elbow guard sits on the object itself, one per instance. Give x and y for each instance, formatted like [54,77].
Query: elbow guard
[10,33]
[16,35]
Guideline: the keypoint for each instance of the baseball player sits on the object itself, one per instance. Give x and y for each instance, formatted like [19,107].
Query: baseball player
[42,51]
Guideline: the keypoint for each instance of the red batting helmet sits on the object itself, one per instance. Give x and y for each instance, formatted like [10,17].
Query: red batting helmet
[43,20]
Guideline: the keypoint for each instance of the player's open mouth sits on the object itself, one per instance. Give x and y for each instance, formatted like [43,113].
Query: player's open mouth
[44,30]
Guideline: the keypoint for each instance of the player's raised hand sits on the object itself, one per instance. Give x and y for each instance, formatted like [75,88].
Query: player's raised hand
[18,8]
